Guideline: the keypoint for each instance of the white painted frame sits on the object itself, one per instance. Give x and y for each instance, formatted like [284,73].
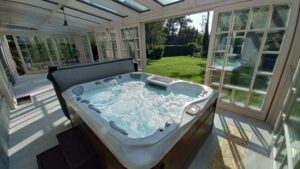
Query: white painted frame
[281,58]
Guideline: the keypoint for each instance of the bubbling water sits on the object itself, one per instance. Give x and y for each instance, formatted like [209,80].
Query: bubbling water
[137,107]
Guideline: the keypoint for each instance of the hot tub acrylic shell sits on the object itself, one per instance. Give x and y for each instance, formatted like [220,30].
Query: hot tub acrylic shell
[138,153]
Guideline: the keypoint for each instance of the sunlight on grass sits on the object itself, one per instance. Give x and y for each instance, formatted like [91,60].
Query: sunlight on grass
[179,67]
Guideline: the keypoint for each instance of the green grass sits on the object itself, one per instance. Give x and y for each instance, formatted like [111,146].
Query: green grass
[179,67]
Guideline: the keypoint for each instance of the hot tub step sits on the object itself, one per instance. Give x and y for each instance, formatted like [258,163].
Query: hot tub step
[52,158]
[74,148]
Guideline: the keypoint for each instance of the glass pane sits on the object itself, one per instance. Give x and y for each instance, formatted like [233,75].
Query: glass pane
[267,62]
[224,21]
[241,19]
[221,41]
[132,4]
[280,16]
[100,6]
[215,76]
[237,43]
[295,130]
[259,17]
[240,98]
[256,101]
[262,82]
[239,68]
[168,2]
[225,95]
[215,87]
[218,60]
[274,40]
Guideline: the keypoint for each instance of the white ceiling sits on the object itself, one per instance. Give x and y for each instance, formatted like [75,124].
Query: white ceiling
[47,17]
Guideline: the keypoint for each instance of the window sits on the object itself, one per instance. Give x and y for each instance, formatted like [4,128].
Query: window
[102,45]
[107,45]
[67,50]
[101,7]
[93,43]
[130,43]
[167,2]
[87,48]
[113,45]
[34,52]
[132,4]
[52,52]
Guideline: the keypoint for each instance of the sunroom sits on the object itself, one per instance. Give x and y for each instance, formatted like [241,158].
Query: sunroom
[164,84]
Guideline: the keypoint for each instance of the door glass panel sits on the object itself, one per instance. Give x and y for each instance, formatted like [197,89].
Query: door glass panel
[224,21]
[237,43]
[240,98]
[221,41]
[239,68]
[215,87]
[215,76]
[259,17]
[225,95]
[256,101]
[295,130]
[241,19]
[262,82]
[280,16]
[274,40]
[218,60]
[267,62]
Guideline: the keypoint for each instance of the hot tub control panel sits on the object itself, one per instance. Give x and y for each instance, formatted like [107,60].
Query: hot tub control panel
[193,110]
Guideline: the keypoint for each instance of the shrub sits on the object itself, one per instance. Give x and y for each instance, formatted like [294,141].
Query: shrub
[191,48]
[156,52]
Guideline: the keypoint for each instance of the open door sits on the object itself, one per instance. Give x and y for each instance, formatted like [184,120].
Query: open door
[248,49]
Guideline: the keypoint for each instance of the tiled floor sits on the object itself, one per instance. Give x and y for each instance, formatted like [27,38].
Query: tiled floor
[33,128]
[258,155]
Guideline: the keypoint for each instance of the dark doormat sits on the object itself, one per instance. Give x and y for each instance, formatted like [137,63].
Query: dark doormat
[23,100]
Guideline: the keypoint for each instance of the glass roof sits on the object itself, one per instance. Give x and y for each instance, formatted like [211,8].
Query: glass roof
[167,2]
[132,4]
[99,6]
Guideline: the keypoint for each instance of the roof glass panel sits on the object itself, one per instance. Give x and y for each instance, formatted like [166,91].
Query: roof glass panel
[167,2]
[102,7]
[134,5]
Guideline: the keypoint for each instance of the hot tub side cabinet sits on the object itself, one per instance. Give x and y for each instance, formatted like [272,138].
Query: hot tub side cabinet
[179,157]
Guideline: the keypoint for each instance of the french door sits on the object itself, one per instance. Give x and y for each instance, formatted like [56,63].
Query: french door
[248,49]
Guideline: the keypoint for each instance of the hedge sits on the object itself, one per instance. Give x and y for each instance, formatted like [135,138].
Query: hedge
[176,50]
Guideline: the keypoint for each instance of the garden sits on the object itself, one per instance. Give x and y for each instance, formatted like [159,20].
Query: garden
[177,49]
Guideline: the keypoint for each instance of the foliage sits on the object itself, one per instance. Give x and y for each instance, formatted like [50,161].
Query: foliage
[154,34]
[173,25]
[180,67]
[205,40]
[176,50]
[192,48]
[187,35]
[156,52]
[15,55]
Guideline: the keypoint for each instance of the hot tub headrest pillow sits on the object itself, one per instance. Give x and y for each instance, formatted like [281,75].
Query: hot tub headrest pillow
[64,78]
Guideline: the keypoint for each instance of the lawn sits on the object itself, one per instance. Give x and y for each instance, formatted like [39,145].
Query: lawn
[179,67]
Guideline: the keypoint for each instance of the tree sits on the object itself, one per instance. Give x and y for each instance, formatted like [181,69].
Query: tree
[170,30]
[205,42]
[182,22]
[173,26]
[154,34]
[187,35]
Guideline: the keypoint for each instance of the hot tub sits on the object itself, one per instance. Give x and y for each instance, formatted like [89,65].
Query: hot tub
[139,116]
